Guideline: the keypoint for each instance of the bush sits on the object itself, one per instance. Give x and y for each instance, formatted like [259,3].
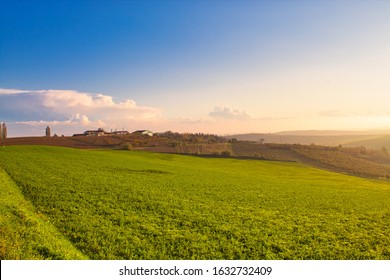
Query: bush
[126,147]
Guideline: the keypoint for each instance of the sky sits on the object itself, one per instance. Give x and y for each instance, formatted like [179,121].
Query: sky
[220,67]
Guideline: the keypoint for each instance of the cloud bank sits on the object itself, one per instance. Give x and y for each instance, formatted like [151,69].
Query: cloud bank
[72,109]
[227,113]
[28,112]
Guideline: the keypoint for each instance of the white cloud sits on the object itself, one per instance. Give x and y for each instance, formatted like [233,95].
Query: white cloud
[224,112]
[72,109]
[73,121]
[67,101]
[10,91]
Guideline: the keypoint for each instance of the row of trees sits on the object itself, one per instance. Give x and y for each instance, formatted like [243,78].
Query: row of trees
[194,138]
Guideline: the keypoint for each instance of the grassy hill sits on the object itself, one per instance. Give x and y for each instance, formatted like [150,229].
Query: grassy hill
[356,160]
[141,205]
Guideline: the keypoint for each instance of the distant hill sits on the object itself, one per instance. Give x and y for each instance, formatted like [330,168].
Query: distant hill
[332,132]
[374,143]
[326,138]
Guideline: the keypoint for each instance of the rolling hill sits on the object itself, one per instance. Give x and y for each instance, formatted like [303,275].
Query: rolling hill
[306,139]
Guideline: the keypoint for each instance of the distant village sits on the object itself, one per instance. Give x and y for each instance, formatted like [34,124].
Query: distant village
[192,137]
[102,132]
[116,138]
[96,132]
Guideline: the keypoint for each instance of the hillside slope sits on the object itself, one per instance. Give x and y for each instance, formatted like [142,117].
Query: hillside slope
[358,161]
[355,161]
[325,140]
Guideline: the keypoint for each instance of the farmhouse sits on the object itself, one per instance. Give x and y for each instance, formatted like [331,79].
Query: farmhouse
[120,132]
[143,132]
[98,132]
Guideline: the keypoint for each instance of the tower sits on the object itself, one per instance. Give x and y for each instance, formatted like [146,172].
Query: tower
[3,133]
[47,131]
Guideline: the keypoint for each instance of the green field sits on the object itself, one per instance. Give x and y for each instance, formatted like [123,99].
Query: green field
[61,203]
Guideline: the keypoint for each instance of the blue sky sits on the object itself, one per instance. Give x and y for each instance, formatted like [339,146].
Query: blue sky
[194,66]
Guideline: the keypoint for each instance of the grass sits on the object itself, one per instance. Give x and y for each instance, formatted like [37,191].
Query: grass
[139,205]
[25,233]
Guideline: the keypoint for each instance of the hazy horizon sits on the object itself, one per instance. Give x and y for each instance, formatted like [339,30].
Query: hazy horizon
[194,66]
